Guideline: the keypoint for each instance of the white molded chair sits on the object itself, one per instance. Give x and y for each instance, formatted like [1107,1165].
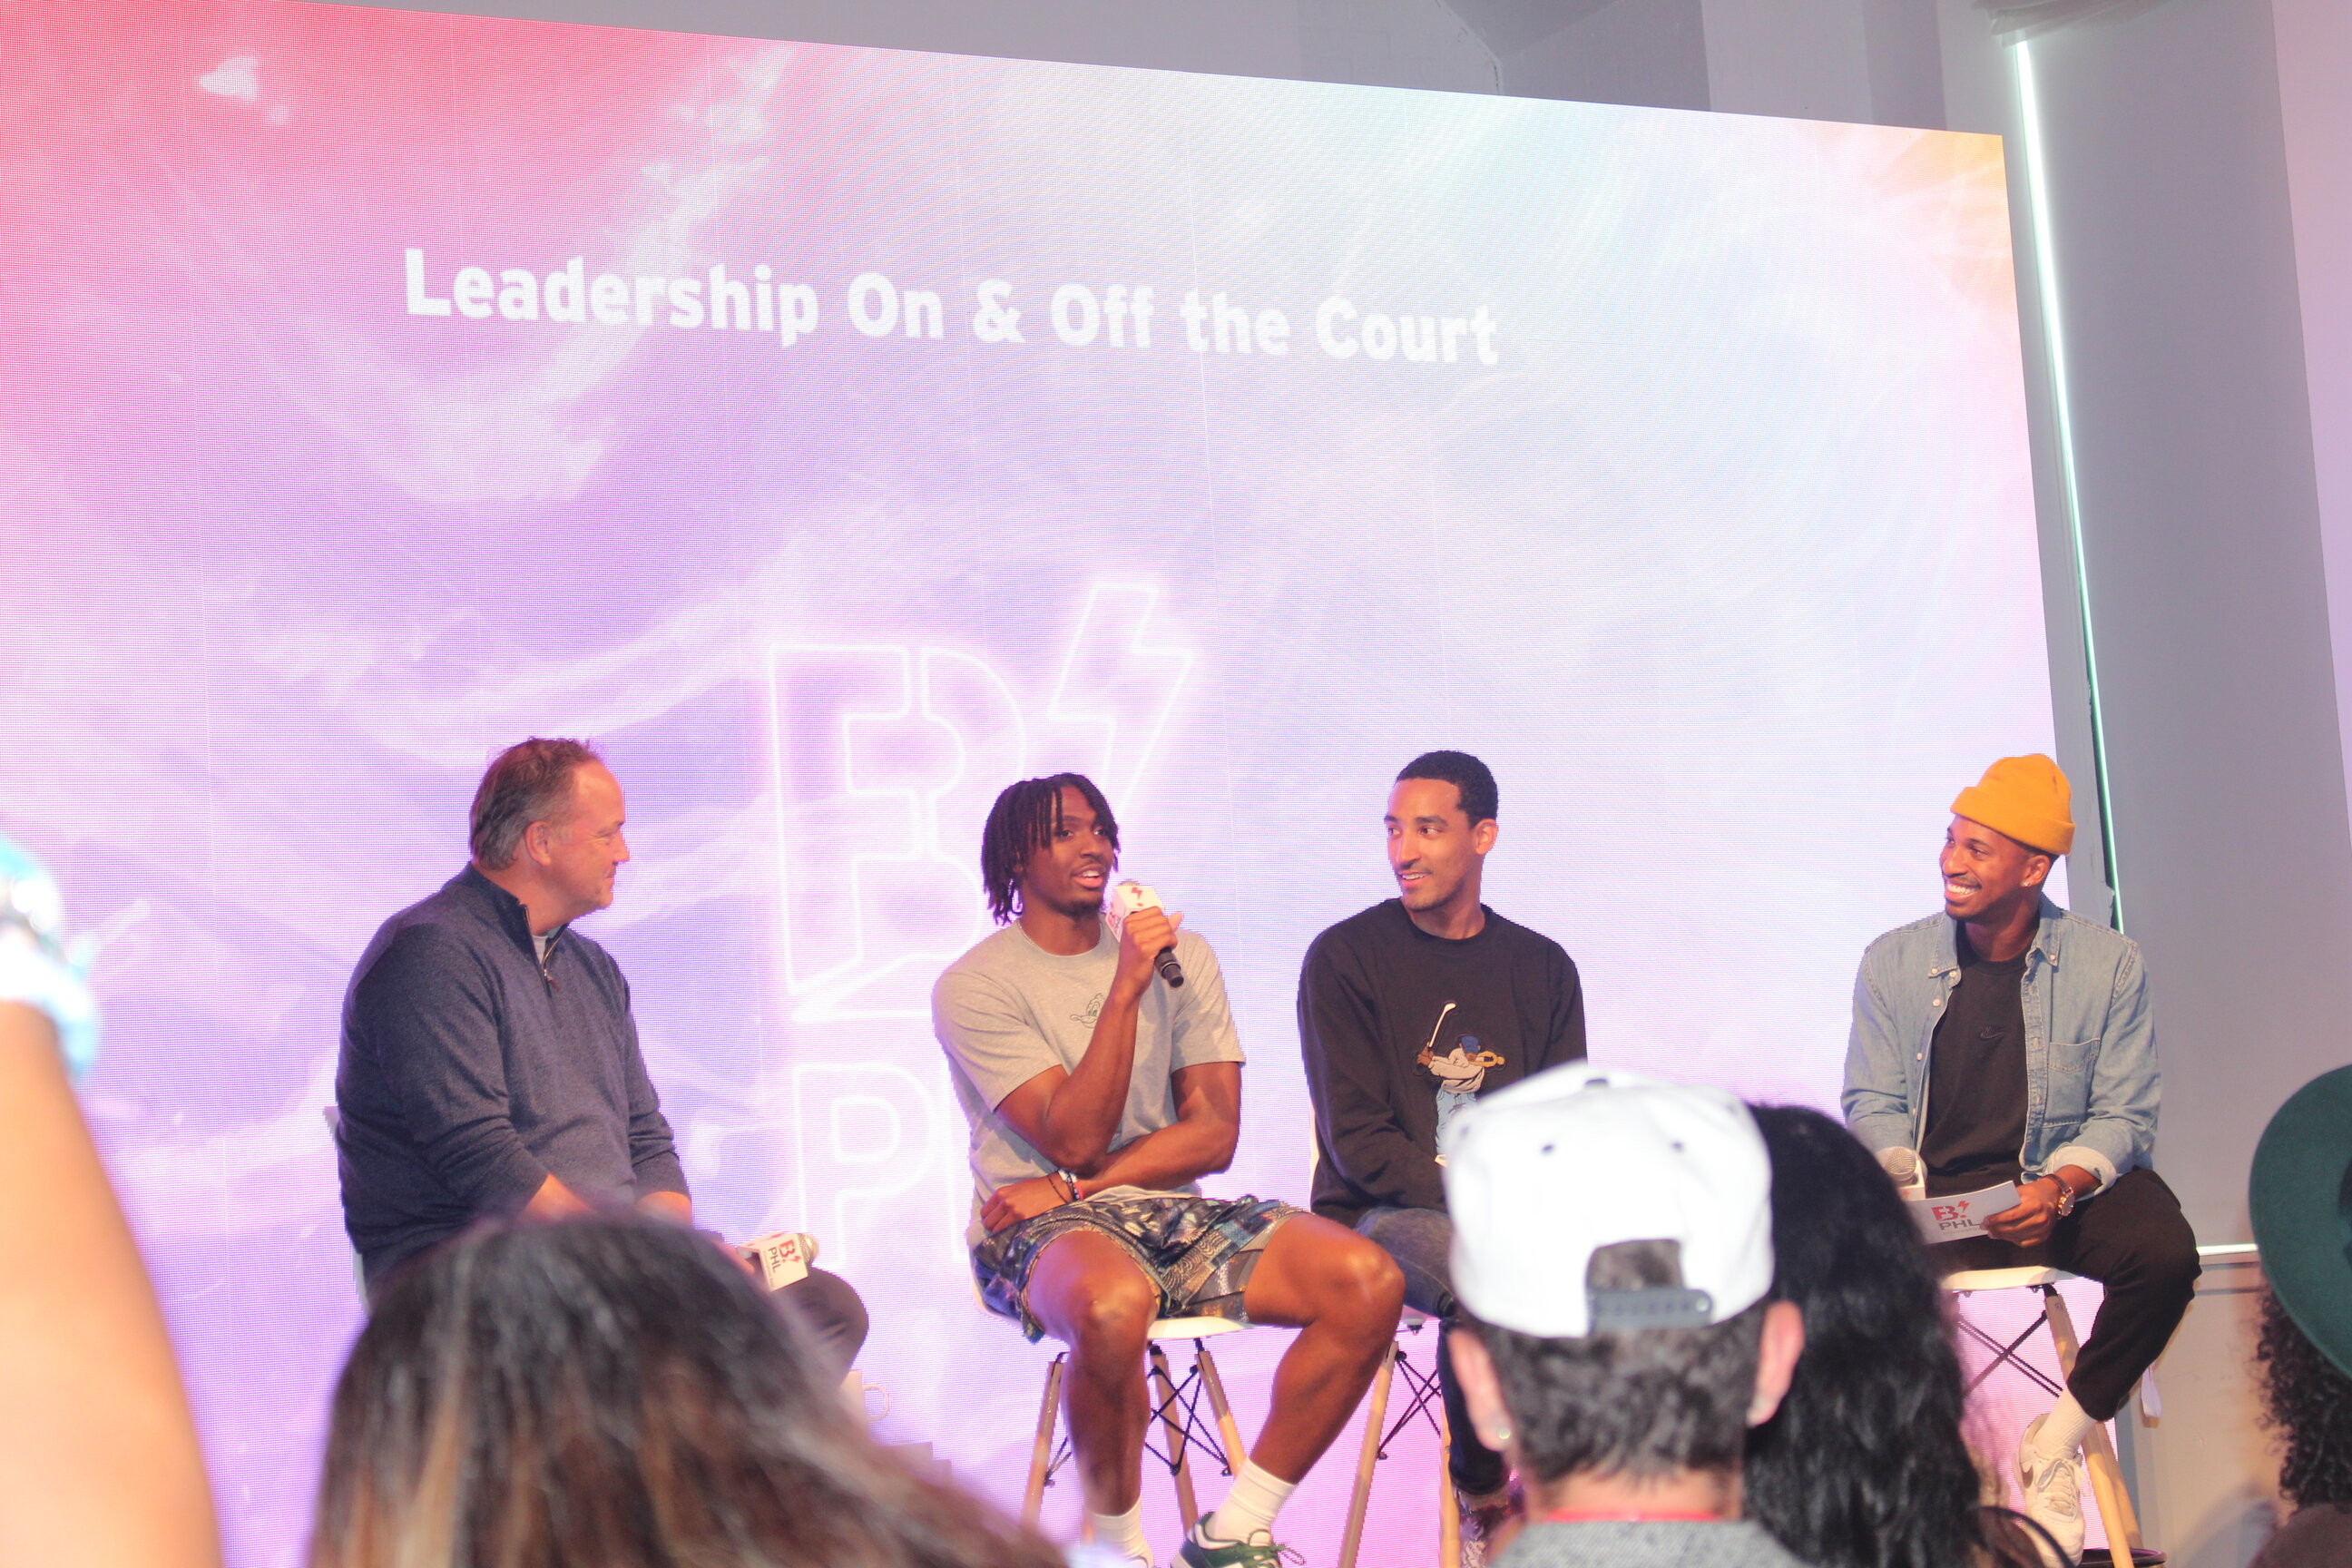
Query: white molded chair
[1425,1399]
[2116,1513]
[1175,1408]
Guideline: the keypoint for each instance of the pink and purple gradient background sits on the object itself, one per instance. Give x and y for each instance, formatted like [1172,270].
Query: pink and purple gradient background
[1728,566]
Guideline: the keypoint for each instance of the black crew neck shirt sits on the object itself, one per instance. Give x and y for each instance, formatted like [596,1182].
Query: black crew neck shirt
[1375,990]
[1975,1079]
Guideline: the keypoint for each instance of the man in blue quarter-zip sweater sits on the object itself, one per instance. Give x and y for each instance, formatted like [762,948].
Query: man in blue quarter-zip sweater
[2007,1040]
[489,1062]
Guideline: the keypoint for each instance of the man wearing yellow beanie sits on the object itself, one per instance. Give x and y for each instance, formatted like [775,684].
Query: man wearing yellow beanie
[2007,1040]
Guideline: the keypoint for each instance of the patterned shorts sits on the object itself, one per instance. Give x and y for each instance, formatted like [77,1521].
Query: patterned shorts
[1199,1251]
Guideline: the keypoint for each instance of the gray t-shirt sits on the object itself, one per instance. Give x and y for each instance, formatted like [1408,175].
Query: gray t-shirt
[1739,1543]
[1008,1010]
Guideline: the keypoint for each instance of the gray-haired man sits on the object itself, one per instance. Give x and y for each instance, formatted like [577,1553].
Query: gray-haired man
[489,1061]
[1612,1248]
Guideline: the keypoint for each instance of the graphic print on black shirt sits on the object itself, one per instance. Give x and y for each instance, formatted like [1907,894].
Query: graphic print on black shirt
[1975,1079]
[1460,1070]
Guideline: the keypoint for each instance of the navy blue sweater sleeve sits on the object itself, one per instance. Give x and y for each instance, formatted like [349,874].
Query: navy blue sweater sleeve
[653,1151]
[433,1027]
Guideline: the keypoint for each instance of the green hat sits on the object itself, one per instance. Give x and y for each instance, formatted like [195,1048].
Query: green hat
[2301,1201]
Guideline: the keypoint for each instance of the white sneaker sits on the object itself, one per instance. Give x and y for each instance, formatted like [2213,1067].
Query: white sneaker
[2053,1493]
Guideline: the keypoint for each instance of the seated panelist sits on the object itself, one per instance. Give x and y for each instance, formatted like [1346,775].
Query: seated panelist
[1408,1012]
[1098,1094]
[2007,1040]
[489,1061]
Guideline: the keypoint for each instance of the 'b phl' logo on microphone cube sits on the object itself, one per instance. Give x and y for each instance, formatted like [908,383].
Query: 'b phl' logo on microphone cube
[1125,899]
[781,1256]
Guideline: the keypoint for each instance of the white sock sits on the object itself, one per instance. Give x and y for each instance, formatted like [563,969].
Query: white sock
[1123,1532]
[2063,1429]
[1250,1507]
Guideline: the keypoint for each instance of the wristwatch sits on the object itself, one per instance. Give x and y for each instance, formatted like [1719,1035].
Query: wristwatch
[2065,1194]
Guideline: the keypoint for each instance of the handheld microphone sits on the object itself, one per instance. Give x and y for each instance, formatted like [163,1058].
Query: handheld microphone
[1125,899]
[1903,1168]
[781,1257]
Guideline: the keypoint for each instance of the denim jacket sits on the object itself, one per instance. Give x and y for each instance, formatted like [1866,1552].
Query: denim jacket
[2091,1082]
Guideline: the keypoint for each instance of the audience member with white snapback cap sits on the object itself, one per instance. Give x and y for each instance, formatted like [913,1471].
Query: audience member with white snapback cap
[1612,1245]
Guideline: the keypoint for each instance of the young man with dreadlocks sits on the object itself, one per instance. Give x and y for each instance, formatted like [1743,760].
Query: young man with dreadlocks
[1099,1095]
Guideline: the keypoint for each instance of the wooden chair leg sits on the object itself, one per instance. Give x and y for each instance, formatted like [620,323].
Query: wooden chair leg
[1229,1434]
[1449,1509]
[2115,1512]
[1374,1420]
[1041,1456]
[1179,1464]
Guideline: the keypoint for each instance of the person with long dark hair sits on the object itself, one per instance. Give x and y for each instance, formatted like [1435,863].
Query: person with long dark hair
[1864,1465]
[615,1391]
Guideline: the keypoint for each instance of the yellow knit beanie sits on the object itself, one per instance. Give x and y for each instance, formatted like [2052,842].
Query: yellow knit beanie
[2027,798]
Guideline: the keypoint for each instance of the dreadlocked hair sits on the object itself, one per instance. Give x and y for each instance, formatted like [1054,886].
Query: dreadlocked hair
[1024,818]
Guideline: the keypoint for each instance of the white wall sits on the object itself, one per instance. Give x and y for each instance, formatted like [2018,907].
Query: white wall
[2315,52]
[2175,245]
[2177,272]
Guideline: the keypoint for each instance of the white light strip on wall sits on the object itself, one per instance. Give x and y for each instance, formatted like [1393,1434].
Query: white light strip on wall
[2045,269]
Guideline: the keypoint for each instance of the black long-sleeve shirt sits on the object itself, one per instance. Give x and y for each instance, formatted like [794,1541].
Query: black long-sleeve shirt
[1371,996]
[470,1073]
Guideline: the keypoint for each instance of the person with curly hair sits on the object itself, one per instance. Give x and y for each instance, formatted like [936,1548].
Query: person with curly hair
[2299,1197]
[615,1391]
[2307,1400]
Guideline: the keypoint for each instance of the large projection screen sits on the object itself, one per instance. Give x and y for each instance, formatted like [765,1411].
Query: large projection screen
[365,405]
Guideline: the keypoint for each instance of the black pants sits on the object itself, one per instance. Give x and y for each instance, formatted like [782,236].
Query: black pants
[827,1315]
[2134,1240]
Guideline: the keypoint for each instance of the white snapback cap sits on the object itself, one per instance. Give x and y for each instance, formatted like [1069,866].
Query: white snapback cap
[1542,1174]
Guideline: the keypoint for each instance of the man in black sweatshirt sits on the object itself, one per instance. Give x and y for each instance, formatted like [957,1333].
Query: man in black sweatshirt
[1406,1012]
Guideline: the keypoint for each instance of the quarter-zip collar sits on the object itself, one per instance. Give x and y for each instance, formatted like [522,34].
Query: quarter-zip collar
[510,916]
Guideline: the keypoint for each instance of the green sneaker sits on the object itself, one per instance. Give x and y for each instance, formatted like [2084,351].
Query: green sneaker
[1258,1551]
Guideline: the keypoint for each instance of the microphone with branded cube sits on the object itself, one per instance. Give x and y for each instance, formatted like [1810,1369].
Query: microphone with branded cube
[780,1258]
[1124,900]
